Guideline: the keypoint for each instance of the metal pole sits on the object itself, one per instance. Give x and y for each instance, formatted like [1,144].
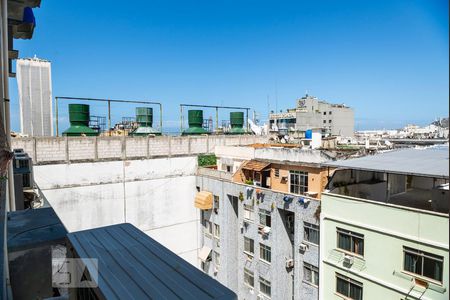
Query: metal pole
[181,119]
[217,117]
[4,11]
[109,117]
[160,117]
[56,116]
[247,120]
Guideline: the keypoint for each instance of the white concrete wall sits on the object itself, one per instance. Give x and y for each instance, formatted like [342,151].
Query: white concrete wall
[45,150]
[155,195]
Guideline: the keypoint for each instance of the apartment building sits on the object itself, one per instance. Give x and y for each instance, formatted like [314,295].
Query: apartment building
[261,242]
[385,227]
[311,112]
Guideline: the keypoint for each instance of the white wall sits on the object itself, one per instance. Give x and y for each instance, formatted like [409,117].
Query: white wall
[155,195]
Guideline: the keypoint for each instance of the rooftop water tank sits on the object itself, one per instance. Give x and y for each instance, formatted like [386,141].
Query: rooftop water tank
[79,121]
[195,121]
[308,134]
[237,122]
[144,119]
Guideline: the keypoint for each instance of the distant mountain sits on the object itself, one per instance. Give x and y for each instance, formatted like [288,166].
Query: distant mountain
[443,122]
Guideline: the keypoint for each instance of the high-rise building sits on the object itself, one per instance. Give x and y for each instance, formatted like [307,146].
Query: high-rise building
[35,96]
[312,113]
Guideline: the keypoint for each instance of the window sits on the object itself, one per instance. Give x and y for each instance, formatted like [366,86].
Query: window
[348,287]
[208,227]
[216,202]
[422,263]
[311,233]
[216,258]
[311,274]
[249,214]
[298,182]
[265,218]
[324,121]
[249,246]
[216,231]
[324,113]
[329,121]
[264,286]
[277,173]
[249,278]
[350,241]
[329,112]
[265,253]
[229,169]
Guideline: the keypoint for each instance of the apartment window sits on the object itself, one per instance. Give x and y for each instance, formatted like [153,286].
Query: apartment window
[329,121]
[216,202]
[324,121]
[249,246]
[249,278]
[350,241]
[216,231]
[249,214]
[324,113]
[264,218]
[265,253]
[311,233]
[229,169]
[216,258]
[277,173]
[348,287]
[264,286]
[423,263]
[208,227]
[311,274]
[298,182]
[329,112]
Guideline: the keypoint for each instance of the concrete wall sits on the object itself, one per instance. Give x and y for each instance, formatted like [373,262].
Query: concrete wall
[231,249]
[141,192]
[46,150]
[386,229]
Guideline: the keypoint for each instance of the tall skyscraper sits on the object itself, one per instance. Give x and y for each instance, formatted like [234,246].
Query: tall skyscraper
[35,96]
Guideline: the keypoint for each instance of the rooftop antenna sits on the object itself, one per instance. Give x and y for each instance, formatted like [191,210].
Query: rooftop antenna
[306,92]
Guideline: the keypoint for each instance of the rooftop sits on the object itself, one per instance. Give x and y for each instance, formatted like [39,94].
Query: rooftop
[432,162]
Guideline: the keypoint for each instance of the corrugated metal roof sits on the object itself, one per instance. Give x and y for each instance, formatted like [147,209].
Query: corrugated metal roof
[132,265]
[255,165]
[427,162]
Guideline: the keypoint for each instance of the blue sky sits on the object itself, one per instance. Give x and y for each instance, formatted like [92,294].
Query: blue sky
[389,60]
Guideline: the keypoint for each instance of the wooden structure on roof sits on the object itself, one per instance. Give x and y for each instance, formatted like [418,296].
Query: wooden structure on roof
[204,200]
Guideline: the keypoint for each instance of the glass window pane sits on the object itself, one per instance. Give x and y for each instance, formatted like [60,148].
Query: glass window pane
[307,276]
[355,292]
[432,269]
[344,241]
[342,286]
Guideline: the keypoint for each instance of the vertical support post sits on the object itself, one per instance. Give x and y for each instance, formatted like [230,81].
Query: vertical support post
[160,118]
[169,141]
[148,146]
[246,120]
[124,146]
[66,140]
[34,150]
[217,118]
[109,116]
[56,116]
[96,148]
[181,119]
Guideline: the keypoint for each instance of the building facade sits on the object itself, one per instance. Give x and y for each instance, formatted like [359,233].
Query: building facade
[385,226]
[310,113]
[262,239]
[35,96]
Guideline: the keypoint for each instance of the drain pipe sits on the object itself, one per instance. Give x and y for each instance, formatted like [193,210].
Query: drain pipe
[12,203]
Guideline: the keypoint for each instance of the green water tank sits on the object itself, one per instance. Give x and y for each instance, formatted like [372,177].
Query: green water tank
[79,121]
[144,116]
[144,119]
[195,121]
[237,122]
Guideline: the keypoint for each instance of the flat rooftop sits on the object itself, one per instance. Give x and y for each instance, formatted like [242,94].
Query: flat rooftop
[430,162]
[131,265]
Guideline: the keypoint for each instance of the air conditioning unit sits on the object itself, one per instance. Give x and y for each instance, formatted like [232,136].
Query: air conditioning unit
[348,259]
[289,263]
[303,247]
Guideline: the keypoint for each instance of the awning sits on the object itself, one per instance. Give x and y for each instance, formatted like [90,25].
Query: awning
[255,165]
[204,253]
[204,200]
